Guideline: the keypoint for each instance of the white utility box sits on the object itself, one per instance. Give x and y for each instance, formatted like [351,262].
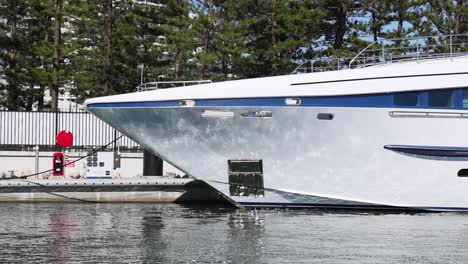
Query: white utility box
[100,165]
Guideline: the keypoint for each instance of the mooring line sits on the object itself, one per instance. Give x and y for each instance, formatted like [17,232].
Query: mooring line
[58,195]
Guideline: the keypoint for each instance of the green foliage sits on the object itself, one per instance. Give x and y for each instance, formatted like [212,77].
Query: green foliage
[23,52]
[106,44]
[275,34]
[179,44]
[104,47]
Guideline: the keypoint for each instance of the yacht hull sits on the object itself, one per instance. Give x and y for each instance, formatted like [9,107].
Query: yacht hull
[336,157]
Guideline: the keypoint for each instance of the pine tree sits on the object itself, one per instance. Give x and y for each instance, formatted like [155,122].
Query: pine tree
[23,35]
[379,16]
[152,49]
[218,40]
[177,22]
[57,53]
[12,42]
[106,44]
[105,39]
[448,17]
[277,33]
[337,20]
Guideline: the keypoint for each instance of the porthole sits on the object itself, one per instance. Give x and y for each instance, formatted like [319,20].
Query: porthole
[325,116]
[463,173]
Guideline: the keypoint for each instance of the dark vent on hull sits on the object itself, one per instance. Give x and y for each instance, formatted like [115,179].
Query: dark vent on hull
[463,173]
[245,178]
[325,116]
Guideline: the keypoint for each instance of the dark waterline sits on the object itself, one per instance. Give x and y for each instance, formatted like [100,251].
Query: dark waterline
[168,233]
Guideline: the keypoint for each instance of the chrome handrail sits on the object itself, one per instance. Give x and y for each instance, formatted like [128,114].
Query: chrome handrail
[167,84]
[382,42]
[391,50]
[360,52]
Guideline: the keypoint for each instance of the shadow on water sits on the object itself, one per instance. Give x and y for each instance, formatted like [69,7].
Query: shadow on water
[153,244]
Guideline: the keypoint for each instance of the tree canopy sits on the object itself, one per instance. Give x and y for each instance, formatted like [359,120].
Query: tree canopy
[102,47]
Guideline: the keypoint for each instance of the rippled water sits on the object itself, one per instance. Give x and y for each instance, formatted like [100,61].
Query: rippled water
[148,233]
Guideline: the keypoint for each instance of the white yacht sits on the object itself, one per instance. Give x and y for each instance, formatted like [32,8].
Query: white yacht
[388,134]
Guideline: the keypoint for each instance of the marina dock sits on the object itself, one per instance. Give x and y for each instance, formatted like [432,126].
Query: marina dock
[153,189]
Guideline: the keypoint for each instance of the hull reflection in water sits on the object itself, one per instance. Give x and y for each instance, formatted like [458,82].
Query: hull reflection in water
[144,233]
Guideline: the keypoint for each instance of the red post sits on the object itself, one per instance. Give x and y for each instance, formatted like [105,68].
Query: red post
[58,164]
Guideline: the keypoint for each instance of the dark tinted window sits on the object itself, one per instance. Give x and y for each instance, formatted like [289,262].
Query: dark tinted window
[440,98]
[465,98]
[406,99]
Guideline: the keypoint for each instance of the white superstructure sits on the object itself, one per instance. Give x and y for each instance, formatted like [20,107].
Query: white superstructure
[331,83]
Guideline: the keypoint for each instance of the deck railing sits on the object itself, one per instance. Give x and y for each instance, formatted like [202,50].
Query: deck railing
[167,84]
[385,51]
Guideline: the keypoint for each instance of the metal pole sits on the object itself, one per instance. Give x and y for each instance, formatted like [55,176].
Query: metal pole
[383,51]
[417,52]
[115,141]
[36,167]
[56,124]
[450,45]
[64,151]
[141,73]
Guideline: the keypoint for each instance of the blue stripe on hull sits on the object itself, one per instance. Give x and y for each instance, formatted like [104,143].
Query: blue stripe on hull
[429,208]
[382,100]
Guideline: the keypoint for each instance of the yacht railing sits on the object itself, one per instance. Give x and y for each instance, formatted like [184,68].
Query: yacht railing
[385,51]
[167,84]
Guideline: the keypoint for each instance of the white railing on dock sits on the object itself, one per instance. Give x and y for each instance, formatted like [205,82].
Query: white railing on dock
[21,129]
[168,84]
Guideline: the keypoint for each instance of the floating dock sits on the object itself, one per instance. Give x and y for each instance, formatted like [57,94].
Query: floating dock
[152,189]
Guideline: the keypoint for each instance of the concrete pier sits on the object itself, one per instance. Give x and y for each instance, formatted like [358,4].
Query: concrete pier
[153,189]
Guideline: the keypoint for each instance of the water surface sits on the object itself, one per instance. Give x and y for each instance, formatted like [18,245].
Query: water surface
[168,233]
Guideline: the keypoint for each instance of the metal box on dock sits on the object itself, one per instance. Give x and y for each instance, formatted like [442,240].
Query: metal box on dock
[100,165]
